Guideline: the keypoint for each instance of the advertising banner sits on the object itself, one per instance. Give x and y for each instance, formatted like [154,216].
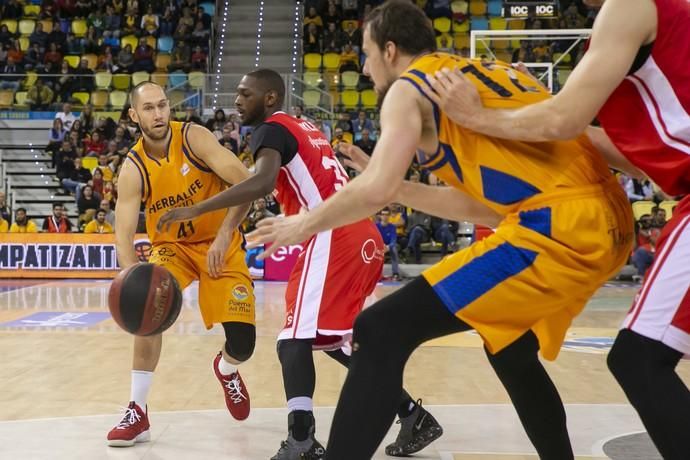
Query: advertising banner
[280,264]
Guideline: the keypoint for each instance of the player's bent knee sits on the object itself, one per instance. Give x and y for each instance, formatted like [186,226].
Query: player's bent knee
[240,339]
[294,350]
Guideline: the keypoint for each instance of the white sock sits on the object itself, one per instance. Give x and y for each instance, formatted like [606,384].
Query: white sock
[300,403]
[225,367]
[141,382]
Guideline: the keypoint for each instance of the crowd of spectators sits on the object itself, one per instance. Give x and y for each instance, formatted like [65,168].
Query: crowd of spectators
[101,46]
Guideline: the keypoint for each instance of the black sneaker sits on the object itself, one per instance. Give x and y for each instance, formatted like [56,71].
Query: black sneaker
[417,431]
[309,449]
[290,449]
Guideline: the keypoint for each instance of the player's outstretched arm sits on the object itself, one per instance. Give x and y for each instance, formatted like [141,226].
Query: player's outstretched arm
[401,131]
[246,187]
[445,202]
[130,191]
[619,31]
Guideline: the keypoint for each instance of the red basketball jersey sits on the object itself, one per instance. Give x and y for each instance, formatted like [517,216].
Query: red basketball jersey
[647,116]
[313,173]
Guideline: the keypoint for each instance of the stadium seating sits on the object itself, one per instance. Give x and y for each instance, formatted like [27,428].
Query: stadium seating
[20,100]
[72,60]
[103,79]
[369,99]
[478,8]
[82,97]
[165,44]
[79,28]
[140,77]
[349,99]
[312,61]
[118,99]
[99,99]
[177,79]
[6,99]
[331,61]
[11,25]
[311,98]
[26,26]
[349,79]
[196,80]
[442,24]
[122,81]
[162,61]
[313,78]
[641,208]
[160,79]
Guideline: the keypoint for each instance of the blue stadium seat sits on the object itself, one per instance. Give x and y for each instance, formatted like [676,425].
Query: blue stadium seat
[480,23]
[495,7]
[208,8]
[177,79]
[165,44]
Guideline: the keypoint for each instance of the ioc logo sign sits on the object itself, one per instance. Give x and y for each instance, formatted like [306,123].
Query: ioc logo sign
[545,10]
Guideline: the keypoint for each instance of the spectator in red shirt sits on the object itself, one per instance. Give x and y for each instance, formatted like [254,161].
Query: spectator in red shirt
[58,222]
[94,146]
[198,59]
[53,56]
[647,236]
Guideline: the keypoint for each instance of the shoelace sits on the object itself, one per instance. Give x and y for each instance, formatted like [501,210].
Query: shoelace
[131,417]
[235,390]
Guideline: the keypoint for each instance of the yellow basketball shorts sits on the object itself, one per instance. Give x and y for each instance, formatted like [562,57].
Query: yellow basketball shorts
[229,297]
[540,267]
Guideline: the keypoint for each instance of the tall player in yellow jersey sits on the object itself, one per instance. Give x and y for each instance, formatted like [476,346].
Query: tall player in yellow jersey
[565,228]
[180,164]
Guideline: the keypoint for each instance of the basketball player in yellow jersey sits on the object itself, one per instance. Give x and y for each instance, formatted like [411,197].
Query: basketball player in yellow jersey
[565,228]
[180,164]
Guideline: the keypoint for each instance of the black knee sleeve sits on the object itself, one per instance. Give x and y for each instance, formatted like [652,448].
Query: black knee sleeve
[240,339]
[297,361]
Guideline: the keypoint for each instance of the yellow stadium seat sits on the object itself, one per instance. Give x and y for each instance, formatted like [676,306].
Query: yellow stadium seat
[442,24]
[72,60]
[32,10]
[89,163]
[504,55]
[20,100]
[345,23]
[565,62]
[151,41]
[160,79]
[26,26]
[196,80]
[176,98]
[47,25]
[331,61]
[516,24]
[79,28]
[462,41]
[369,99]
[140,77]
[6,98]
[641,208]
[459,7]
[448,41]
[24,43]
[349,99]
[311,98]
[332,79]
[118,99]
[312,61]
[311,78]
[103,80]
[129,40]
[11,25]
[668,207]
[497,24]
[92,60]
[477,8]
[82,97]
[463,26]
[30,79]
[563,75]
[349,79]
[121,81]
[99,99]
[162,61]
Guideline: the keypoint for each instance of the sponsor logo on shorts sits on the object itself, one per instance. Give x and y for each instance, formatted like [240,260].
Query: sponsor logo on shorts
[240,292]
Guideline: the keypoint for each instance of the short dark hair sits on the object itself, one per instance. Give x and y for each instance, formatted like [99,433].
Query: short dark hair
[402,23]
[270,80]
[57,205]
[20,209]
[101,210]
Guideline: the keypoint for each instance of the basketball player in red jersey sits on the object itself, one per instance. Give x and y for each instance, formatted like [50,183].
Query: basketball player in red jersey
[634,79]
[335,273]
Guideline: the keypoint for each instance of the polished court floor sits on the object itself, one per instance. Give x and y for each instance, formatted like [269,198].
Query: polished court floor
[65,375]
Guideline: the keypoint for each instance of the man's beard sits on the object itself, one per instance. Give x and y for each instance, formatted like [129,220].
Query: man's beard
[150,135]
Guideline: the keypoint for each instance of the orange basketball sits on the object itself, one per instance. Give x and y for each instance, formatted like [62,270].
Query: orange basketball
[145,299]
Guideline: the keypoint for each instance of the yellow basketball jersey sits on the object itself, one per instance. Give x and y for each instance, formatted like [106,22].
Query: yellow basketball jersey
[497,172]
[178,179]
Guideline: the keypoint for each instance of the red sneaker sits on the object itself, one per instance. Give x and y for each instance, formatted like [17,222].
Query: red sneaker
[133,428]
[236,395]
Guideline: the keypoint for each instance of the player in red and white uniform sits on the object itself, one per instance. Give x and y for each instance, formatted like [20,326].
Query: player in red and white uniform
[335,272]
[634,77]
